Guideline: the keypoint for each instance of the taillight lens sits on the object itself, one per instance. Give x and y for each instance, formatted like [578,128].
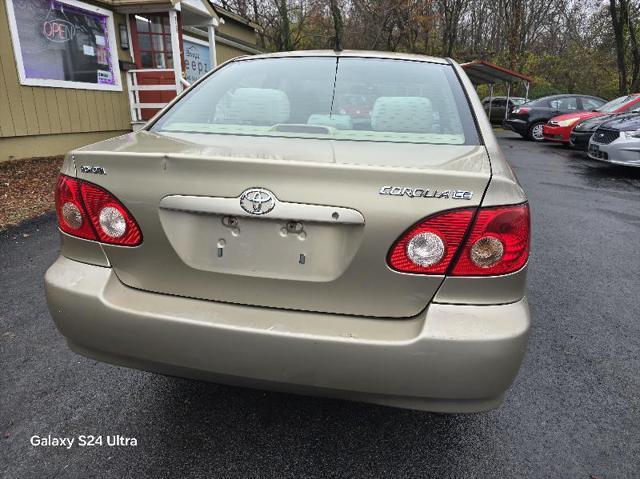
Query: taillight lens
[112,221]
[435,238]
[522,110]
[497,243]
[72,217]
[91,212]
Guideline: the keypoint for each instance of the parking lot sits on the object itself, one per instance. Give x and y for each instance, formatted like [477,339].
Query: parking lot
[573,412]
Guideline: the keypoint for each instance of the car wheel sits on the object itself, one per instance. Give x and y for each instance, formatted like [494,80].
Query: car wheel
[536,131]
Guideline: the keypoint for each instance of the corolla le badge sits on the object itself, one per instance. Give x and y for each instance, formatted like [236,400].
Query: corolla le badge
[257,201]
[453,194]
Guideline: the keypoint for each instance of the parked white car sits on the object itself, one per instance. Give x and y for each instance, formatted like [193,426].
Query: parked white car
[617,141]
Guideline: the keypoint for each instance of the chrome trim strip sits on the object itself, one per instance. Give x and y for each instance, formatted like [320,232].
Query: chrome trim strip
[281,210]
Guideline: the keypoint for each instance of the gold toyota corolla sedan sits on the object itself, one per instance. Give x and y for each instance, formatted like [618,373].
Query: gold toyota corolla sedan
[263,231]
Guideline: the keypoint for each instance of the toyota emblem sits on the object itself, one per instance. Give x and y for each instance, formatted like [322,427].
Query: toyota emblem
[257,201]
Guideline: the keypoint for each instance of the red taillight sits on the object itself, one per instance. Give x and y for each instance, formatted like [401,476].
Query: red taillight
[524,109]
[450,227]
[498,243]
[91,212]
[111,220]
[72,217]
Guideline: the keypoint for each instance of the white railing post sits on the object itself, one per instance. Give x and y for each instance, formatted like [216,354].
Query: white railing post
[211,31]
[175,49]
[132,97]
[136,96]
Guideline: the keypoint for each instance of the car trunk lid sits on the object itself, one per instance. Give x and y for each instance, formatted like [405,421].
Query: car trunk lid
[323,245]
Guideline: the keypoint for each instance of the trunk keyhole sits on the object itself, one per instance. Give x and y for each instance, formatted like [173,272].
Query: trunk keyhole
[230,221]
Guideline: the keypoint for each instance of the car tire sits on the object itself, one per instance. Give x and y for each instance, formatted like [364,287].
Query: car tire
[535,132]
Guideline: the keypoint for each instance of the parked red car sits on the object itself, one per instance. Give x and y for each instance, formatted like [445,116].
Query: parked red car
[558,129]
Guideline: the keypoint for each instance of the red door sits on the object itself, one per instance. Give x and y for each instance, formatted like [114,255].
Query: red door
[151,44]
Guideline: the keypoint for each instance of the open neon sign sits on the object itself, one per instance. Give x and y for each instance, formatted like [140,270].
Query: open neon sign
[58,30]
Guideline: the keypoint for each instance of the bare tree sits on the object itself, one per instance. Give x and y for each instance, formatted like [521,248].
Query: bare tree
[338,27]
[451,11]
[633,43]
[618,21]
[283,37]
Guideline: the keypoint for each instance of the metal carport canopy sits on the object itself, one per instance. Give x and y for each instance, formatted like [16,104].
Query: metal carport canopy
[481,72]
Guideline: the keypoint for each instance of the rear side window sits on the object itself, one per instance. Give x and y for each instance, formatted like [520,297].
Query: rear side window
[591,103]
[569,103]
[360,99]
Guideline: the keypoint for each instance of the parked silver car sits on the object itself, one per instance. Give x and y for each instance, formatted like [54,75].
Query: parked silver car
[617,141]
[252,235]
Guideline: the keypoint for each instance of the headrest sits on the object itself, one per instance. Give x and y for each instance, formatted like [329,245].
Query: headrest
[258,106]
[402,114]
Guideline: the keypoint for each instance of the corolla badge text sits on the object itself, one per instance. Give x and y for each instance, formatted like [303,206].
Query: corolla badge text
[426,192]
[96,170]
[257,201]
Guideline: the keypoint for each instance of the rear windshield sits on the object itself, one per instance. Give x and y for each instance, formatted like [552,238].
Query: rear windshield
[333,98]
[616,104]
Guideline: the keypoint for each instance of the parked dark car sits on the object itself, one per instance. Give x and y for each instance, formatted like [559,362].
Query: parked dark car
[528,119]
[582,132]
[498,110]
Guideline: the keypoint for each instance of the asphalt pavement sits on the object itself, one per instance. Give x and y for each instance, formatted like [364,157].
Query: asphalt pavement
[573,412]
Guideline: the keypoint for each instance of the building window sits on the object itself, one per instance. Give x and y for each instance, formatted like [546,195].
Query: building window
[154,41]
[64,43]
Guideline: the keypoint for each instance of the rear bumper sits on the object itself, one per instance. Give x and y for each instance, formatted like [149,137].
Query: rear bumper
[450,358]
[519,126]
[557,134]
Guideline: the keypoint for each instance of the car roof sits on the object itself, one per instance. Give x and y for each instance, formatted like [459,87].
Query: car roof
[502,96]
[346,53]
[562,95]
